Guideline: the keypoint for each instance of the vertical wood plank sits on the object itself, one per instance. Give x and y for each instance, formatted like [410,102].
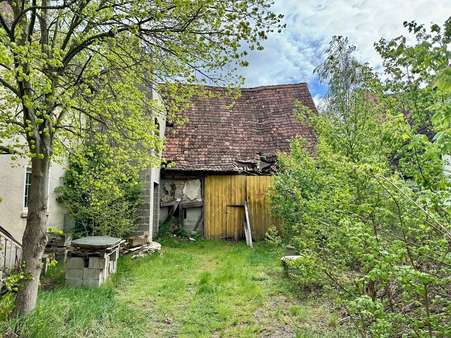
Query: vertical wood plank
[259,204]
[226,222]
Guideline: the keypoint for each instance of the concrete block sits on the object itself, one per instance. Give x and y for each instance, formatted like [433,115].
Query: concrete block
[97,262]
[74,282]
[92,283]
[287,262]
[75,263]
[288,259]
[74,273]
[92,273]
[137,240]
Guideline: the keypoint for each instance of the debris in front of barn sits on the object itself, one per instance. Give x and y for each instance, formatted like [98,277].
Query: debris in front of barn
[91,260]
[134,241]
[181,206]
[139,246]
[264,164]
[144,250]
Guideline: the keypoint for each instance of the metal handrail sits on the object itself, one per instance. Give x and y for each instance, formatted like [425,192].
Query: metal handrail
[10,252]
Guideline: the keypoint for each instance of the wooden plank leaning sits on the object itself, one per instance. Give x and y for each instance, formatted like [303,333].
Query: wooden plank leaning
[247,225]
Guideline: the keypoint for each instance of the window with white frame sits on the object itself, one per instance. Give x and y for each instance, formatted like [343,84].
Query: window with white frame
[27,187]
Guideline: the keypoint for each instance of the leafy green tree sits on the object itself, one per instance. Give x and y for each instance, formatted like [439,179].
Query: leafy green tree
[64,62]
[369,210]
[419,79]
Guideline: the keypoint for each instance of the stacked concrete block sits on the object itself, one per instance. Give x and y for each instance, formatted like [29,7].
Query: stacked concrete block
[90,272]
[92,260]
[95,274]
[74,271]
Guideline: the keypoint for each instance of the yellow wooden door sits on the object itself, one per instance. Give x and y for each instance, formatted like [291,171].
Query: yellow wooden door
[224,198]
[257,194]
[221,196]
[235,218]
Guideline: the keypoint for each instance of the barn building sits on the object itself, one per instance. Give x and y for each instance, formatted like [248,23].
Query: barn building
[225,155]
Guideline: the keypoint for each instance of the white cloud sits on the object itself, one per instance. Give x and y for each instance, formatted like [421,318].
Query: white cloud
[291,56]
[320,102]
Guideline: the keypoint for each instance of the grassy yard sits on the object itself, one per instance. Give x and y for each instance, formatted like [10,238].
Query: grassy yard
[193,289]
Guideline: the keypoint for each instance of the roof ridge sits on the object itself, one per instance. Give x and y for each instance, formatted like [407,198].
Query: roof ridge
[262,87]
[287,85]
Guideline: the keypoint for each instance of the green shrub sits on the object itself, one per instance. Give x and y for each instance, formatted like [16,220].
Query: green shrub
[7,299]
[305,272]
[369,209]
[101,192]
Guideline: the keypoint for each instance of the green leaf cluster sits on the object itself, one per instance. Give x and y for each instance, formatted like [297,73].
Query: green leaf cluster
[102,190]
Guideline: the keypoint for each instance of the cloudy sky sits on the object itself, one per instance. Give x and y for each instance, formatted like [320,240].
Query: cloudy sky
[290,57]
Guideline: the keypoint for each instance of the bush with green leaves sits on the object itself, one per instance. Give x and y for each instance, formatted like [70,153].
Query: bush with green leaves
[371,204]
[102,191]
[9,287]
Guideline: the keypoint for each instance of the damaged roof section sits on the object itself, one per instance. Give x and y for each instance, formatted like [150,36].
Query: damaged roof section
[243,134]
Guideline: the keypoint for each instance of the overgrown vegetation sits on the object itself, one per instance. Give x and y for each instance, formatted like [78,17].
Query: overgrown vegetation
[102,192]
[66,63]
[369,211]
[194,289]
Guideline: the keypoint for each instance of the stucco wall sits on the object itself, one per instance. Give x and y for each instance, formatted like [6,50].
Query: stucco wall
[12,188]
[181,190]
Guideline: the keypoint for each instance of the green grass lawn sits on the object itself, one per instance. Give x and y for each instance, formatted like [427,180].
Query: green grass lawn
[193,289]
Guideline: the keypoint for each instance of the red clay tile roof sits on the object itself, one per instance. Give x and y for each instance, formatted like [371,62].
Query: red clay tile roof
[221,130]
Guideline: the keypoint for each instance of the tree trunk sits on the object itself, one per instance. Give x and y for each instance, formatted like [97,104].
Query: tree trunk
[34,238]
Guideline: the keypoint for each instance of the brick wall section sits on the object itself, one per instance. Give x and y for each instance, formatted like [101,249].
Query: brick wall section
[222,129]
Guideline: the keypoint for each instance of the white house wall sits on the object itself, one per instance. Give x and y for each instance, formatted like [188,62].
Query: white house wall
[12,188]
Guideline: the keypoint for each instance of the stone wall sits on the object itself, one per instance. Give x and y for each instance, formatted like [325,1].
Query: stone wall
[90,272]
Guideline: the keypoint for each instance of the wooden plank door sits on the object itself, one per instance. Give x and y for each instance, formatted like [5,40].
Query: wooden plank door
[235,217]
[257,194]
[222,194]
[224,198]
